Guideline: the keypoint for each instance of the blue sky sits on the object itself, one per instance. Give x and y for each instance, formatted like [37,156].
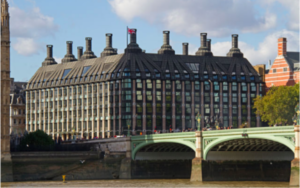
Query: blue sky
[258,23]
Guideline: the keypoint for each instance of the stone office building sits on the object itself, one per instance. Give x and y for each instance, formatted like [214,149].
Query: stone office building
[17,107]
[100,97]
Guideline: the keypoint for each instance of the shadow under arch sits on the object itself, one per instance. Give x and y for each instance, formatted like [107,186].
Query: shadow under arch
[181,142]
[280,140]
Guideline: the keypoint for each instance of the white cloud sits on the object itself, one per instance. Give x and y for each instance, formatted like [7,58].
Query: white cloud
[267,49]
[292,6]
[27,46]
[218,17]
[28,27]
[31,24]
[57,59]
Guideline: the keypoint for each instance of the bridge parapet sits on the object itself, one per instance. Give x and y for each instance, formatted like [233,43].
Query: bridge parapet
[284,135]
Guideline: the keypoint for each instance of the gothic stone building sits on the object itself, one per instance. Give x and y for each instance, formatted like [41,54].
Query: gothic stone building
[17,107]
[5,82]
[100,97]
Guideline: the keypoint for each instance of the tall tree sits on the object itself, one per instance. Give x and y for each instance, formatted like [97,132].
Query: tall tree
[278,105]
[37,138]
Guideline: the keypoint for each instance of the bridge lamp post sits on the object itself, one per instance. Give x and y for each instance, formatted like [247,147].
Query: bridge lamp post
[128,125]
[198,118]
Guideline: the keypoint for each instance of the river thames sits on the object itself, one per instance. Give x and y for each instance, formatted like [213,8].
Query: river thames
[145,183]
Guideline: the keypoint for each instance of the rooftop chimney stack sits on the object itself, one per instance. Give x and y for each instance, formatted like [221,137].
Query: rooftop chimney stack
[282,46]
[50,51]
[235,51]
[166,48]
[69,47]
[108,50]
[108,40]
[88,43]
[203,39]
[79,52]
[166,37]
[133,47]
[133,36]
[270,64]
[88,54]
[208,44]
[69,57]
[185,48]
[49,60]
[203,50]
[235,41]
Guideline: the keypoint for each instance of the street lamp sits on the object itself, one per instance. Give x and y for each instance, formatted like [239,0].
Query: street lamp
[128,125]
[198,118]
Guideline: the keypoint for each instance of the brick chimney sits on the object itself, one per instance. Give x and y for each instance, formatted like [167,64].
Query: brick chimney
[282,47]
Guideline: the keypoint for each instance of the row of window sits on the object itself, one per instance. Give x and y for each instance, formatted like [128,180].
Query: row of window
[19,121]
[18,112]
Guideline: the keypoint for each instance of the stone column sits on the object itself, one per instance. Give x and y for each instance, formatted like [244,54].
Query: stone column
[35,113]
[295,163]
[120,107]
[125,168]
[196,174]
[82,109]
[114,108]
[230,104]
[103,110]
[98,110]
[193,105]
[248,105]
[202,105]
[68,113]
[153,105]
[211,100]
[239,105]
[133,124]
[76,108]
[108,111]
[144,107]
[257,116]
[173,106]
[183,105]
[93,107]
[221,104]
[164,105]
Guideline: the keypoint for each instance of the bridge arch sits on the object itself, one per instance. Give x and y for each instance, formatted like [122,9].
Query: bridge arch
[148,142]
[280,140]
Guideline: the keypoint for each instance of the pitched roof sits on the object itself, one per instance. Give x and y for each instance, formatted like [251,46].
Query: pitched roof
[14,99]
[112,68]
[293,60]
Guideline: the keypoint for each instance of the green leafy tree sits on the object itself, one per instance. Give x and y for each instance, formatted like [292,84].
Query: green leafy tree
[37,138]
[278,105]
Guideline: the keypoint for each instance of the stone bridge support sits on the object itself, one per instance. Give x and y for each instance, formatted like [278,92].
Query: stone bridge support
[196,174]
[125,169]
[294,178]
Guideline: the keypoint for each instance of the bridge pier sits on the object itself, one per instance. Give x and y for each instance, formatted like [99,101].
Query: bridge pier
[196,174]
[125,169]
[294,178]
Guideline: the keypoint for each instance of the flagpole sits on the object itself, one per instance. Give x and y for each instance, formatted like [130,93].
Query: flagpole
[127,37]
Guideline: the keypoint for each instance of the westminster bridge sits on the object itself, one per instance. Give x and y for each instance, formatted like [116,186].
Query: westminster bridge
[254,144]
[200,155]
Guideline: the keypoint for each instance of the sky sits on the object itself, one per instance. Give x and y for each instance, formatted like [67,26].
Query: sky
[259,23]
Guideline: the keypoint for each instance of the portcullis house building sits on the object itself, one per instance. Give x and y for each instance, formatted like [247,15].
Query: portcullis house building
[100,97]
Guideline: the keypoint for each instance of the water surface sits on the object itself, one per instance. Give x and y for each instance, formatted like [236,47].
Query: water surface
[144,183]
